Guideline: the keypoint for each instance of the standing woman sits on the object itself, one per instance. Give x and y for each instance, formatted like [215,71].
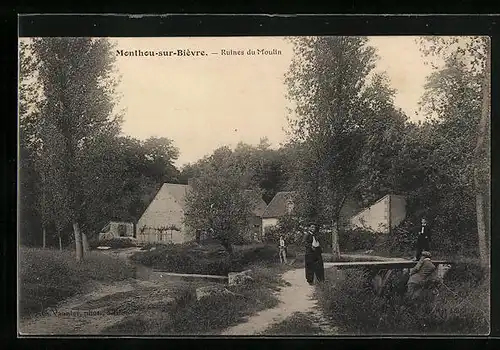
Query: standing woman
[313,258]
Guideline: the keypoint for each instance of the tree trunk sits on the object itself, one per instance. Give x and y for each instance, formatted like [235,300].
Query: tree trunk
[60,240]
[479,152]
[44,236]
[481,223]
[335,242]
[336,227]
[85,243]
[78,242]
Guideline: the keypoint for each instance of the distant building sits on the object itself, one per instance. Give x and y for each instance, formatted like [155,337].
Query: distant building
[116,229]
[385,214]
[162,220]
[280,206]
[255,220]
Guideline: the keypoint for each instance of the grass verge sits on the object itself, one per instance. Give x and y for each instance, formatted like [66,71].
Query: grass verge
[49,276]
[298,323]
[460,307]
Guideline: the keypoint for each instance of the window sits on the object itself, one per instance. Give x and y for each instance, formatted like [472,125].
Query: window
[122,230]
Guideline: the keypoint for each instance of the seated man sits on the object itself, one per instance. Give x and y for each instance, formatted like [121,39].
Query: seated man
[420,275]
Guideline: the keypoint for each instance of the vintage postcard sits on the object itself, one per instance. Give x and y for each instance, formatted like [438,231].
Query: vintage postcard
[262,186]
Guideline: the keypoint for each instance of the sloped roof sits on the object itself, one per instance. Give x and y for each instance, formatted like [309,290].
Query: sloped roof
[177,191]
[359,211]
[279,205]
[259,206]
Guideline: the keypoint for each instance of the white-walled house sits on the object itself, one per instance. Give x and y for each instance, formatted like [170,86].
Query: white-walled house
[281,205]
[388,212]
[162,221]
[255,219]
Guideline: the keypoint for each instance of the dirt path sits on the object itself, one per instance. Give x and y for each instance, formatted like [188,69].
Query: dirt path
[73,316]
[297,297]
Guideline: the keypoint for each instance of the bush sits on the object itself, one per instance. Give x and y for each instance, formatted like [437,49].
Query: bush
[254,254]
[357,239]
[288,227]
[444,241]
[467,272]
[47,277]
[461,308]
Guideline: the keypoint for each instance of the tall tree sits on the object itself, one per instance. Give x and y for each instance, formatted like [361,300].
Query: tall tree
[457,100]
[78,86]
[218,203]
[120,171]
[481,154]
[328,82]
[28,145]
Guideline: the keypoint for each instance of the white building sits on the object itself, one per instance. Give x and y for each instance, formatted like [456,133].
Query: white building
[386,213]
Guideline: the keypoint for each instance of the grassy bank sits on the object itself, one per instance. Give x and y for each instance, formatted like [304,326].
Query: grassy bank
[209,315]
[297,324]
[49,276]
[461,306]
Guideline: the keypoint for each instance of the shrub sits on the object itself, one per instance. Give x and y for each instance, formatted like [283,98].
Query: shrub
[357,239]
[257,253]
[288,227]
[467,272]
[461,308]
[402,239]
[47,277]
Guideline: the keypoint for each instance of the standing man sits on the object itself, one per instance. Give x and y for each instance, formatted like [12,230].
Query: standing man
[282,250]
[313,258]
[423,239]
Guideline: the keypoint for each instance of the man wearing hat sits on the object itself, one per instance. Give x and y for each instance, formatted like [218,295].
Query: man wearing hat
[314,266]
[420,274]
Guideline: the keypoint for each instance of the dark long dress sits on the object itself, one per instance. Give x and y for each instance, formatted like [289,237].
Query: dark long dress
[313,261]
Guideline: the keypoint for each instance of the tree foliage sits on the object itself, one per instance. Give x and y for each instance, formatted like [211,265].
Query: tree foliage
[456,104]
[344,116]
[74,165]
[348,140]
[218,202]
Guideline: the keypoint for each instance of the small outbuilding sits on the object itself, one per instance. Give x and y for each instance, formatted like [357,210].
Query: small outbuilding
[117,229]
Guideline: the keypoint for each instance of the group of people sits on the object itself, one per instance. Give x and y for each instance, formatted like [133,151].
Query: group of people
[314,267]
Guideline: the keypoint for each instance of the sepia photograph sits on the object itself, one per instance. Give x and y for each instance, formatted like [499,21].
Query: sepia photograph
[319,186]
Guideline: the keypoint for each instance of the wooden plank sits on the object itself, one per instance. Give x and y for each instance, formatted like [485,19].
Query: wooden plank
[366,257]
[380,264]
[190,275]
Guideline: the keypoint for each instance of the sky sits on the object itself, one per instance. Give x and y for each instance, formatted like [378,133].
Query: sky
[204,102]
